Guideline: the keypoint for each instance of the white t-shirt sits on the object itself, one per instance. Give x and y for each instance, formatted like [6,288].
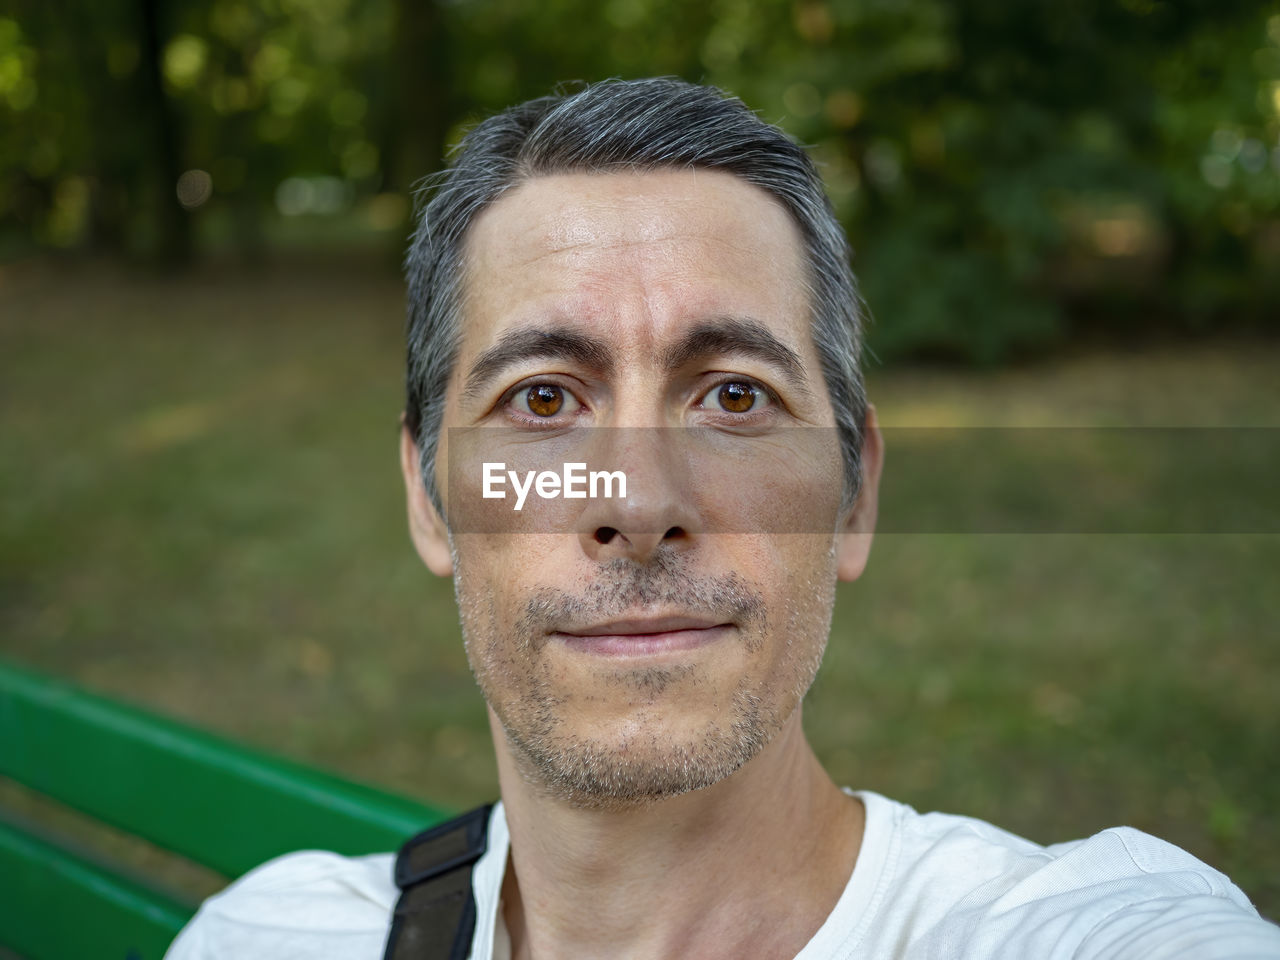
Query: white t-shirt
[924,886]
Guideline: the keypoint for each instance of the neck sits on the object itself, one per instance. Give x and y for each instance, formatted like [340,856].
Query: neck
[751,866]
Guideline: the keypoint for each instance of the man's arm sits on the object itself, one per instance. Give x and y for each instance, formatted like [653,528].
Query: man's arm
[1205,928]
[302,906]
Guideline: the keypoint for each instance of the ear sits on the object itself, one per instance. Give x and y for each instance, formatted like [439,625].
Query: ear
[426,526]
[854,541]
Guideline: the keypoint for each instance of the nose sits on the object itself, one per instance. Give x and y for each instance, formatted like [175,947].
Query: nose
[659,507]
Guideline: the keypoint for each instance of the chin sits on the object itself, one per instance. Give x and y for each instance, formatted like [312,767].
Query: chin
[641,763]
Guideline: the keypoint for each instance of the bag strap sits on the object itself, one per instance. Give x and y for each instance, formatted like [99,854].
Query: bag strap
[435,917]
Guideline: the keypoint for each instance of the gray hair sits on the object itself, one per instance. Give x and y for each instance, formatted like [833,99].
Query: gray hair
[633,125]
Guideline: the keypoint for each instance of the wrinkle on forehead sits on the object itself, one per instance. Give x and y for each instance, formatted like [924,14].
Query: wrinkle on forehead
[644,254]
[659,207]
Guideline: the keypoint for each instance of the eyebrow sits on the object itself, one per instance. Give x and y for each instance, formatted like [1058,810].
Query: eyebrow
[537,344]
[722,336]
[740,337]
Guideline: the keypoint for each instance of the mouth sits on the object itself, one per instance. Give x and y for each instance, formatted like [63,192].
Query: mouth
[644,636]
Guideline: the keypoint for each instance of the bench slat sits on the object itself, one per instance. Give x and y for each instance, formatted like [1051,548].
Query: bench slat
[217,803]
[57,906]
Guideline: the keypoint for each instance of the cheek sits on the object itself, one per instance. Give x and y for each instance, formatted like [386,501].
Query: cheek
[496,478]
[805,610]
[784,484]
[796,576]
[812,589]
[496,577]
[482,564]
[498,564]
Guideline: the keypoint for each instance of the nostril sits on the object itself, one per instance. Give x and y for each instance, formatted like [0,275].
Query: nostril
[605,534]
[674,533]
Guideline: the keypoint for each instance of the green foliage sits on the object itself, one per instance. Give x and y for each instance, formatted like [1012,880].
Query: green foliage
[1011,175]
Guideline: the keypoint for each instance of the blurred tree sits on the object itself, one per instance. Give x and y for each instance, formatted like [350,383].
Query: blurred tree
[1007,170]
[1009,174]
[162,136]
[92,153]
[424,101]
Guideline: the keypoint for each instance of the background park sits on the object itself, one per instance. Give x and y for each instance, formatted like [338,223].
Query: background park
[1063,215]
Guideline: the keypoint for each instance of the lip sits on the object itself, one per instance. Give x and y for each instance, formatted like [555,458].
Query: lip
[644,636]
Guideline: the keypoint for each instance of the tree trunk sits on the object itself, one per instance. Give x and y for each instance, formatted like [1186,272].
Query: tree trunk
[173,225]
[422,100]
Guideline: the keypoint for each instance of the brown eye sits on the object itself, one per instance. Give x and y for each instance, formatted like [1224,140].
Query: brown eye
[736,397]
[545,400]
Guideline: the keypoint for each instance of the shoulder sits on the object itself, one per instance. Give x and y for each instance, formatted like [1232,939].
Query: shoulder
[309,904]
[972,889]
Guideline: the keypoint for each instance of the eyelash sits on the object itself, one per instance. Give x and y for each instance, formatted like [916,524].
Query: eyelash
[508,400]
[770,398]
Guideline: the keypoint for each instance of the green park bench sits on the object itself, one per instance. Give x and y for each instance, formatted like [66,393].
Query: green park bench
[213,802]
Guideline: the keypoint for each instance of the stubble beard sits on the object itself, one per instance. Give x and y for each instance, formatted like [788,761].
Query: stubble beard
[649,764]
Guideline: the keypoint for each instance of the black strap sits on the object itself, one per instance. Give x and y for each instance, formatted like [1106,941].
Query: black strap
[435,916]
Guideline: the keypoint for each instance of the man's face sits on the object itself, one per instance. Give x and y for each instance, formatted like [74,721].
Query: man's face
[641,647]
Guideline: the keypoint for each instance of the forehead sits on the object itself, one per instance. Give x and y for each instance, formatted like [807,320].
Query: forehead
[637,254]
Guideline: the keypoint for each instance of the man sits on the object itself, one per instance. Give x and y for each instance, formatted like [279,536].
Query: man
[644,277]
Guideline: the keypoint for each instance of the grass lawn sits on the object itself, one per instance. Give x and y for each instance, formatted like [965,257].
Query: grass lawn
[200,511]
